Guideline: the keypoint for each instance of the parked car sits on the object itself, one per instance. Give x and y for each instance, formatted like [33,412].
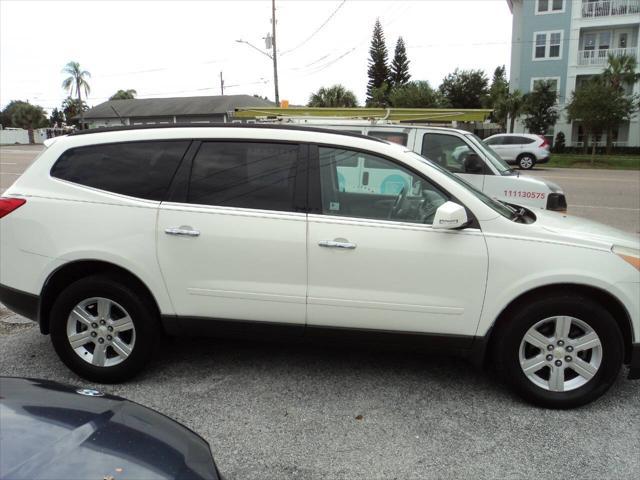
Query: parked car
[522,149]
[54,431]
[458,151]
[112,238]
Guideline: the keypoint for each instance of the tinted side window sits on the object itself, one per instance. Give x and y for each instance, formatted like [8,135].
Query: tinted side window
[395,137]
[451,152]
[245,175]
[387,191]
[494,141]
[137,169]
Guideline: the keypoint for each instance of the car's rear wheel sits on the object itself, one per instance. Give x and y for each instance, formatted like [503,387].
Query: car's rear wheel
[560,352]
[103,330]
[526,161]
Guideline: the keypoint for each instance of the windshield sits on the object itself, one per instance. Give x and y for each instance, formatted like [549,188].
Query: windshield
[498,206]
[493,157]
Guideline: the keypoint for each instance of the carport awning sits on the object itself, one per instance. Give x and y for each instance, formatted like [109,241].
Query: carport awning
[396,114]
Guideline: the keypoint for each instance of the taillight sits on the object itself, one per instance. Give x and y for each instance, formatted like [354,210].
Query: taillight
[544,144]
[8,205]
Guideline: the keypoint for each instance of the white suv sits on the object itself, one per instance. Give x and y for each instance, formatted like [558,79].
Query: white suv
[522,149]
[111,239]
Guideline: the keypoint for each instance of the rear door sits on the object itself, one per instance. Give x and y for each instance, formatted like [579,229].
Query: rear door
[231,240]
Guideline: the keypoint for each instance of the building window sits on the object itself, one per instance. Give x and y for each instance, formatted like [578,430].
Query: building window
[554,81]
[547,45]
[549,6]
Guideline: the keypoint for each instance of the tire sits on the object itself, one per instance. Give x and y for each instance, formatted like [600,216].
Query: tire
[526,161]
[551,381]
[127,338]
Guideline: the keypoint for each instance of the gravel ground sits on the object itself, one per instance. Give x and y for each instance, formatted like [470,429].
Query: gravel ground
[286,411]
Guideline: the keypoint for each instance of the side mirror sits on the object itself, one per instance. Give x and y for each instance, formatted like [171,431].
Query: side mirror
[473,164]
[449,216]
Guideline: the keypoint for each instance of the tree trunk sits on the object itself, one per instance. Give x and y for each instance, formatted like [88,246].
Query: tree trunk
[593,151]
[512,122]
[32,140]
[585,147]
[609,141]
[81,109]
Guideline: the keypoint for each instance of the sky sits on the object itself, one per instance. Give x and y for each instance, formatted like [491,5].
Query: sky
[178,48]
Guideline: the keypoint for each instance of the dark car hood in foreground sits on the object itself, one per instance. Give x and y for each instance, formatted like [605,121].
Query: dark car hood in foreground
[50,431]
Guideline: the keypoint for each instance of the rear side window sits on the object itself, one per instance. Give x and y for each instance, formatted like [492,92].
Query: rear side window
[246,175]
[137,169]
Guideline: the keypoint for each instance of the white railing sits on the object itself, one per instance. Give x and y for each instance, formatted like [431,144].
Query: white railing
[606,8]
[600,57]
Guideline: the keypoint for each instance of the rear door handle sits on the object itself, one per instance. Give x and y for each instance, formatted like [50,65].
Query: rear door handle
[337,244]
[182,230]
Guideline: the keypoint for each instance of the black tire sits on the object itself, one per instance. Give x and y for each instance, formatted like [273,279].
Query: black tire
[140,310]
[526,161]
[512,331]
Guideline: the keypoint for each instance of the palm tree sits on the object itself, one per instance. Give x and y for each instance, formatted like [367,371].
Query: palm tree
[335,96]
[620,71]
[77,81]
[511,105]
[129,94]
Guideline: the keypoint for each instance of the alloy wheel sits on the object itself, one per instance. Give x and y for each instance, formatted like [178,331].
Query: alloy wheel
[560,354]
[101,332]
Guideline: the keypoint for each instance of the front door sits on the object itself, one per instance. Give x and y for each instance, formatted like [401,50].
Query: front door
[375,263]
[233,246]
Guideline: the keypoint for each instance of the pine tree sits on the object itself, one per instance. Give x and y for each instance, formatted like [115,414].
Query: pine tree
[400,66]
[378,70]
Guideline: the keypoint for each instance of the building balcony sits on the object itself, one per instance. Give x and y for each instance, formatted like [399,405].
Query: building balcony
[608,8]
[595,58]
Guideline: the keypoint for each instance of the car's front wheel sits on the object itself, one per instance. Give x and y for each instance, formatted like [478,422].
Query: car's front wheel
[560,352]
[103,330]
[526,162]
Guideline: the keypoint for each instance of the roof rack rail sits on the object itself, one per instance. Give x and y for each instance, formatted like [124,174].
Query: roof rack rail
[267,126]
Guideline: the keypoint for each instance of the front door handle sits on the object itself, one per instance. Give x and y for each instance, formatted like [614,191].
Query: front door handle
[337,244]
[182,230]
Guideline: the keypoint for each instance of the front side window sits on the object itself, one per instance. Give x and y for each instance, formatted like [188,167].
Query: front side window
[395,137]
[244,175]
[384,191]
[494,141]
[452,153]
[136,169]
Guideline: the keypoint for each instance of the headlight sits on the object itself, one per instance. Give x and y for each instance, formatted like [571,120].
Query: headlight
[629,255]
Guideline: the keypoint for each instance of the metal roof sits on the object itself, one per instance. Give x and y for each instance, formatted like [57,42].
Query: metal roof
[158,107]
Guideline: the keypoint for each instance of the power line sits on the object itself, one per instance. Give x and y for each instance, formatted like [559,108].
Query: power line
[316,30]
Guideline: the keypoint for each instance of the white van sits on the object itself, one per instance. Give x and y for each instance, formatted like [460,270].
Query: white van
[459,151]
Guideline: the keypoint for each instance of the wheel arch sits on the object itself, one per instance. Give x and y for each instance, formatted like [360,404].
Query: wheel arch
[75,270]
[612,304]
[522,154]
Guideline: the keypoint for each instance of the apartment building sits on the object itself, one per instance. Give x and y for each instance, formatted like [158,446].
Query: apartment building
[568,41]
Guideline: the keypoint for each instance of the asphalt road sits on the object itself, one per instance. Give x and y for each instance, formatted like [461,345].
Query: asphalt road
[611,197]
[288,411]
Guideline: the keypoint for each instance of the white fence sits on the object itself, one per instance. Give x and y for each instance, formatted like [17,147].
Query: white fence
[11,136]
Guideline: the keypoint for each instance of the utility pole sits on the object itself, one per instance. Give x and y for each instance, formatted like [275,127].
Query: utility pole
[221,85]
[275,57]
